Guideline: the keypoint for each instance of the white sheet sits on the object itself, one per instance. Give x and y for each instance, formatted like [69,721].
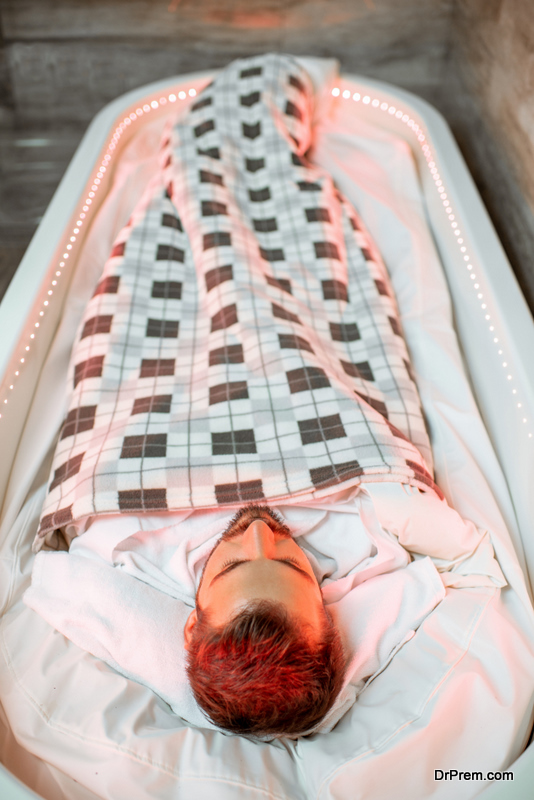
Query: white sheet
[133,579]
[146,591]
[467,700]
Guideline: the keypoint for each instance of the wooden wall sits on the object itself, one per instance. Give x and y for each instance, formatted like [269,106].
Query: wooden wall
[494,50]
[496,41]
[64,59]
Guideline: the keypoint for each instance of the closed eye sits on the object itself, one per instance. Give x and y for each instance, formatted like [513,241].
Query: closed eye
[235,561]
[228,566]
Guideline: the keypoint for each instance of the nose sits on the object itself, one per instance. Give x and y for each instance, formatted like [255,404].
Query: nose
[259,540]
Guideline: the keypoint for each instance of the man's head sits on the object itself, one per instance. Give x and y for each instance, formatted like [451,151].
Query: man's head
[263,654]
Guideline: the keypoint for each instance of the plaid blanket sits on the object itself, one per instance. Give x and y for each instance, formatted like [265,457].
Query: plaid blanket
[243,343]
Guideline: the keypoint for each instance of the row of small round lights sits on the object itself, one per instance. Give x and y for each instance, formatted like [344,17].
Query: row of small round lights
[402,116]
[366,99]
[85,209]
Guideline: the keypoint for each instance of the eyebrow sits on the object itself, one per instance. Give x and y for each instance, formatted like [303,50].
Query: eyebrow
[230,567]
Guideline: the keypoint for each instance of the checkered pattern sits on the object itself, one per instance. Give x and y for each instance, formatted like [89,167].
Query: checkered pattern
[243,343]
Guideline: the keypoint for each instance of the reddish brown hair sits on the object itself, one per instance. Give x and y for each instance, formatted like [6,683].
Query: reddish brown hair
[261,675]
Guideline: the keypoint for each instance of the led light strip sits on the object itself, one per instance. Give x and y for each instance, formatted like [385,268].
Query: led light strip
[95,185]
[399,114]
[366,99]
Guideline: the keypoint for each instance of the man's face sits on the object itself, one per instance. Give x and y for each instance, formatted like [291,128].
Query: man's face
[257,559]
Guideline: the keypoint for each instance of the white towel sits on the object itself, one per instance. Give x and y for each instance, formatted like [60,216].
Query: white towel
[138,630]
[127,586]
[129,580]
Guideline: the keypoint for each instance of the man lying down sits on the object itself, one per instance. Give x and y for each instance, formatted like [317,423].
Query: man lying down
[244,452]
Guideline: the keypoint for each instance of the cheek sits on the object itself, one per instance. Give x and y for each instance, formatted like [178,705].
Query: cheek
[211,566]
[206,592]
